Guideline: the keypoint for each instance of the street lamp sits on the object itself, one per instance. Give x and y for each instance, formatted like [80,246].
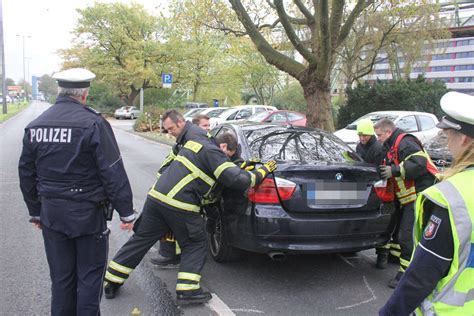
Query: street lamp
[24,75]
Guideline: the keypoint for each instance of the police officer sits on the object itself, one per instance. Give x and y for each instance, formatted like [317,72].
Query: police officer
[173,204]
[69,166]
[372,152]
[412,171]
[169,253]
[439,280]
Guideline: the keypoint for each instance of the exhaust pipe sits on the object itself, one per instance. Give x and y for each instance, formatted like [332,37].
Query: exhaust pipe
[277,256]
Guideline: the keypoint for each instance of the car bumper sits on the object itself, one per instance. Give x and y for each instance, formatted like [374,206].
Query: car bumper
[270,229]
[126,115]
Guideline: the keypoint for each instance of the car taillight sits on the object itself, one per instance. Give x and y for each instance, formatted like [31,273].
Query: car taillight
[266,192]
[384,190]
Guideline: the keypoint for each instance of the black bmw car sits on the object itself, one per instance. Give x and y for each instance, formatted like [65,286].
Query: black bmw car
[321,199]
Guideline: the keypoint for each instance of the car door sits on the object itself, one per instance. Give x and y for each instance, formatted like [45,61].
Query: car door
[428,129]
[409,124]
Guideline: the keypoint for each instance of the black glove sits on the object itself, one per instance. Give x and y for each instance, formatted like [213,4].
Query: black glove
[250,164]
[385,172]
[263,171]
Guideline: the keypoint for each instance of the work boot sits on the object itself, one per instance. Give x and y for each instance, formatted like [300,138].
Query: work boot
[394,282]
[382,260]
[195,298]
[166,262]
[111,289]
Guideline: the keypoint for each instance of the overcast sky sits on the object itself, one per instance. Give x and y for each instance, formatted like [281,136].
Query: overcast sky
[49,23]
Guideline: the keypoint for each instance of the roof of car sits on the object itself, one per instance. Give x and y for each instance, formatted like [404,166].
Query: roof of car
[399,112]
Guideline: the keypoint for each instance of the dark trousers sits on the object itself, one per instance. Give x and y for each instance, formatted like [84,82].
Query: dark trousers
[77,266]
[167,248]
[155,221]
[405,234]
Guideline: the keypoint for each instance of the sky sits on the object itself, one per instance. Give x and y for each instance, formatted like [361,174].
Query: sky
[49,24]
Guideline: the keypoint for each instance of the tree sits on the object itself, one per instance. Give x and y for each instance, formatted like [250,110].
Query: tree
[316,30]
[10,82]
[48,86]
[119,43]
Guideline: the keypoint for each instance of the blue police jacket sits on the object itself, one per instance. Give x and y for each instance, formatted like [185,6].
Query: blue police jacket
[70,155]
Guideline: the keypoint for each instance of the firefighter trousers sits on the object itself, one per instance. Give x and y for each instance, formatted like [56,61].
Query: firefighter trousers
[405,234]
[155,221]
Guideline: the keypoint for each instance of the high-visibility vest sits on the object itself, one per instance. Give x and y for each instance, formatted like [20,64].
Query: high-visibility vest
[454,294]
[405,188]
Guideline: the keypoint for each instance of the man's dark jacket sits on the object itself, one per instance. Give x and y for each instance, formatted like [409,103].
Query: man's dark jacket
[372,152]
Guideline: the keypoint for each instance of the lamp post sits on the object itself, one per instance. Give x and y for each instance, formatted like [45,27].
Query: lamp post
[24,75]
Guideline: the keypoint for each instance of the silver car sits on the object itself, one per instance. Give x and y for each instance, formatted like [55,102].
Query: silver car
[127,112]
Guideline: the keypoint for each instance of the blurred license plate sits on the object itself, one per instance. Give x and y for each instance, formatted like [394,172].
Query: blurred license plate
[336,193]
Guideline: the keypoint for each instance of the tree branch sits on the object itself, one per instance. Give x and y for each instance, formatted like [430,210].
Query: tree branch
[305,11]
[360,6]
[292,35]
[337,11]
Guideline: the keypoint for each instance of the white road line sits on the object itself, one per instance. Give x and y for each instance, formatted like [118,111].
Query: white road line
[363,302]
[218,306]
[346,261]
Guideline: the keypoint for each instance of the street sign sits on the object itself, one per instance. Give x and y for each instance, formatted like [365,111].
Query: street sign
[167,80]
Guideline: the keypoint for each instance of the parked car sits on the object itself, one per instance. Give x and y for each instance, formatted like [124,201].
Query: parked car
[188,115]
[240,112]
[127,112]
[211,112]
[279,117]
[195,105]
[438,150]
[317,201]
[420,124]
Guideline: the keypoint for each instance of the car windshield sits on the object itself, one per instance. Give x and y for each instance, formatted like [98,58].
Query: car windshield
[374,117]
[227,113]
[193,112]
[258,117]
[299,145]
[215,112]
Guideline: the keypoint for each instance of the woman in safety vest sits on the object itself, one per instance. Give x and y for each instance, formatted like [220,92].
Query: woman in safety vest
[440,277]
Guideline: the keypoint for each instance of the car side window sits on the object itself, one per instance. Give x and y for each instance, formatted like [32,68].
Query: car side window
[278,117]
[243,114]
[426,122]
[233,116]
[294,116]
[408,124]
[260,110]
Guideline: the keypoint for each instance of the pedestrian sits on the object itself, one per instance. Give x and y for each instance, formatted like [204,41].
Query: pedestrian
[372,152]
[169,253]
[411,169]
[70,167]
[174,203]
[440,278]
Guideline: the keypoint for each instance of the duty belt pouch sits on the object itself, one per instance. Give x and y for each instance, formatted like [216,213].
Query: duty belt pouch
[107,209]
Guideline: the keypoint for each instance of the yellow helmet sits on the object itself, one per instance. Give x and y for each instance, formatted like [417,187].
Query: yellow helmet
[365,127]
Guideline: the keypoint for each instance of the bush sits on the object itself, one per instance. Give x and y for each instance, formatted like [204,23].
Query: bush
[291,98]
[150,118]
[396,95]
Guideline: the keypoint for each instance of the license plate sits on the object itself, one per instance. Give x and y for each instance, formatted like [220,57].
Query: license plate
[336,193]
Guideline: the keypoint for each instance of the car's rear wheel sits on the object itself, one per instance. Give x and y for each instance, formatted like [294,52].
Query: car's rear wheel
[219,246]
[132,117]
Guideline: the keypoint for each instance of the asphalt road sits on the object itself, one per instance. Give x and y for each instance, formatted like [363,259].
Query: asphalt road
[301,285]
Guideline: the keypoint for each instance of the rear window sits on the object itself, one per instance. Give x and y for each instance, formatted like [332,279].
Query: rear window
[426,122]
[297,145]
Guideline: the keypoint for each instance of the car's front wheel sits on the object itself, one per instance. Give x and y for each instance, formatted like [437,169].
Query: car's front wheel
[219,246]
[132,117]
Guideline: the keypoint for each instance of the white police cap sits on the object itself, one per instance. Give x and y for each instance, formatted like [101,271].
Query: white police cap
[74,78]
[459,109]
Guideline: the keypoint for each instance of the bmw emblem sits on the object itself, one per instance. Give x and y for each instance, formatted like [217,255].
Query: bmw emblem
[339,176]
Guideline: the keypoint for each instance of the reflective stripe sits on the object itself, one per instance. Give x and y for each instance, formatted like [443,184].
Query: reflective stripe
[110,277]
[404,264]
[188,164]
[120,268]
[222,167]
[253,179]
[175,203]
[181,184]
[189,276]
[187,287]
[262,172]
[193,146]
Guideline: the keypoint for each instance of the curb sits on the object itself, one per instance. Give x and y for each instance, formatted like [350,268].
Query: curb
[161,141]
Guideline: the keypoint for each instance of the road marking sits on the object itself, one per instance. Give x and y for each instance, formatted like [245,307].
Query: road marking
[345,260]
[363,302]
[218,306]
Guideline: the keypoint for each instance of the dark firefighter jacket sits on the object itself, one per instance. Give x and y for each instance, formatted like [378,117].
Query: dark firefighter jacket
[372,152]
[70,154]
[415,167]
[197,167]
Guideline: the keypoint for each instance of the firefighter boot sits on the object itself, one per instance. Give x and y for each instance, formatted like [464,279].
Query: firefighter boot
[111,289]
[394,282]
[166,262]
[197,297]
[382,260]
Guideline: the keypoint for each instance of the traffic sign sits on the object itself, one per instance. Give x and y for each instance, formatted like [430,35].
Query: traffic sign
[167,80]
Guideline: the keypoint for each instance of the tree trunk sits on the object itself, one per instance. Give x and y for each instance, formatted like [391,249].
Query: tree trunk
[129,99]
[318,97]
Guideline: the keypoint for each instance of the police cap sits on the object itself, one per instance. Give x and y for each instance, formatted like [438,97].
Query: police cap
[74,78]
[459,109]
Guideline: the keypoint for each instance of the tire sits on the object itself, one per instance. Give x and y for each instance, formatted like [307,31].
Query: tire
[218,242]
[132,117]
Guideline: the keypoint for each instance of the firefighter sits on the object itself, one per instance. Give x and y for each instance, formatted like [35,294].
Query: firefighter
[372,152]
[173,204]
[412,171]
[69,167]
[169,254]
[440,278]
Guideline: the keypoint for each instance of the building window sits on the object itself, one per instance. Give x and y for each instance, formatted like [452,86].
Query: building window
[463,67]
[465,55]
[441,56]
[465,42]
[445,80]
[464,79]
[441,68]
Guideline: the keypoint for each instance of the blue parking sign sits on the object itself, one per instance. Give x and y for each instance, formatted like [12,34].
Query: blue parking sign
[167,80]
